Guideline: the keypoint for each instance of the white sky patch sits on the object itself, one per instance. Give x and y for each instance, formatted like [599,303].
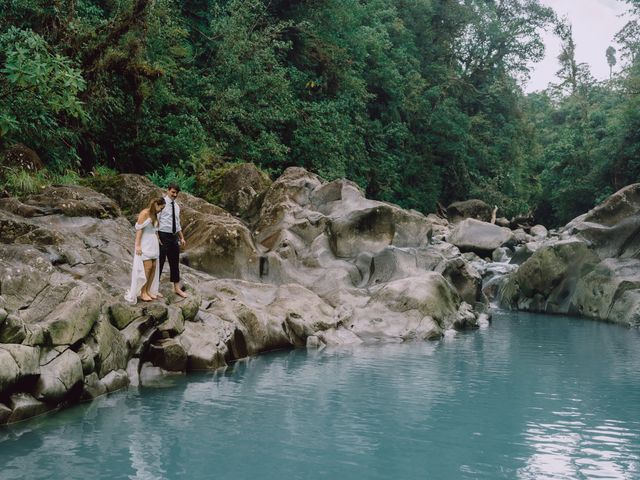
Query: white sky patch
[595,23]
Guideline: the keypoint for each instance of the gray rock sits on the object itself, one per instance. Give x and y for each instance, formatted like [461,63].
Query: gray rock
[610,229]
[238,187]
[168,354]
[523,252]
[93,387]
[539,231]
[369,230]
[24,406]
[501,255]
[17,363]
[190,307]
[547,280]
[206,344]
[115,380]
[173,325]
[473,208]
[122,314]
[59,377]
[479,237]
[5,413]
[110,347]
[597,292]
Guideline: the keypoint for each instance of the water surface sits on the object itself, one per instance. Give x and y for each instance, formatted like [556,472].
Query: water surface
[531,397]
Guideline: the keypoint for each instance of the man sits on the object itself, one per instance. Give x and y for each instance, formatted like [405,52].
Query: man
[171,237]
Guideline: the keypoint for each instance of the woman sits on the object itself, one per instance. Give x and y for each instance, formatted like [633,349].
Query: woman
[144,276]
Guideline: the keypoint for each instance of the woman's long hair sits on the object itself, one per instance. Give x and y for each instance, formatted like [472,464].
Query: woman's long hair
[152,209]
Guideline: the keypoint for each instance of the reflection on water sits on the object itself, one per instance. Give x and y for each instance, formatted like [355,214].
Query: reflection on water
[531,397]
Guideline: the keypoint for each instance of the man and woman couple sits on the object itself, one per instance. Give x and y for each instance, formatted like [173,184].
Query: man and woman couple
[158,236]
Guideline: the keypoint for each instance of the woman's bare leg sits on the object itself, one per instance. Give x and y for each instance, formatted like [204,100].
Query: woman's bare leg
[144,294]
[150,277]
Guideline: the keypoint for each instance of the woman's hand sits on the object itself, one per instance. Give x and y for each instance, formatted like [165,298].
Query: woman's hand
[138,250]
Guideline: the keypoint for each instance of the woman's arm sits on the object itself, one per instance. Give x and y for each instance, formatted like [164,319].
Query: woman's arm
[142,217]
[138,237]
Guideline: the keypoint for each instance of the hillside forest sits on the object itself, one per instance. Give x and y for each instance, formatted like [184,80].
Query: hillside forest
[418,101]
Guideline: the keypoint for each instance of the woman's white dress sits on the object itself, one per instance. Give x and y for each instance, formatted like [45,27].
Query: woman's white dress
[150,251]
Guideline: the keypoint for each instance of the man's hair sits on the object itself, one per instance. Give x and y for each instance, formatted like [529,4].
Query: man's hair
[173,186]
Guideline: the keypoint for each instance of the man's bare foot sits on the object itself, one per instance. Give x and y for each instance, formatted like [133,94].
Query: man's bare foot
[181,293]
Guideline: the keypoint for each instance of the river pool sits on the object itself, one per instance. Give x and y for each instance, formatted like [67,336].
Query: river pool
[530,397]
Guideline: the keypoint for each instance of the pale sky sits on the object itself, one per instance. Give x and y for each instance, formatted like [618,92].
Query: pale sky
[595,22]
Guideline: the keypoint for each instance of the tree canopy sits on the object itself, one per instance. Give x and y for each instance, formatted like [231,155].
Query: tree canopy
[418,101]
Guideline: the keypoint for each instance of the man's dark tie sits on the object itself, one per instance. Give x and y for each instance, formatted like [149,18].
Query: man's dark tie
[173,217]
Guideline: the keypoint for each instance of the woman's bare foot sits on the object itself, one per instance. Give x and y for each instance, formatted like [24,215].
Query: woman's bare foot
[153,297]
[145,297]
[159,295]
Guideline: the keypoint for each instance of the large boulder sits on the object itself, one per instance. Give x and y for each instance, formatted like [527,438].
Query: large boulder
[369,230]
[17,364]
[237,187]
[59,377]
[414,308]
[547,280]
[473,208]
[611,228]
[73,201]
[472,235]
[20,157]
[611,281]
[591,271]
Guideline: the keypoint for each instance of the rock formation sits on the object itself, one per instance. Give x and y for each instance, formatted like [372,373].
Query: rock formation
[592,268]
[318,264]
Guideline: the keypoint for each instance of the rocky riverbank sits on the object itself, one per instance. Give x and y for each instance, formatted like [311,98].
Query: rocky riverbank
[302,262]
[590,268]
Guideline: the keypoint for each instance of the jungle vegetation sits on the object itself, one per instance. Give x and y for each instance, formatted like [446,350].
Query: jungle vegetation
[418,101]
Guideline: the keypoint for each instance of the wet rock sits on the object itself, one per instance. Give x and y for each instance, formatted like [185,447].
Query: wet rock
[5,413]
[92,387]
[501,254]
[115,380]
[523,252]
[522,236]
[24,406]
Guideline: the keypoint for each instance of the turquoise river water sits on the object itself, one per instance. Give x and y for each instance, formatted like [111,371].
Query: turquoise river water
[530,397]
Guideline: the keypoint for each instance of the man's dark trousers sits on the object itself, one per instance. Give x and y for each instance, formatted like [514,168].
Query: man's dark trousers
[170,249]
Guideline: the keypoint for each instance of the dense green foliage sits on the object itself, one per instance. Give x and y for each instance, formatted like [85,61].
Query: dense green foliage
[419,101]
